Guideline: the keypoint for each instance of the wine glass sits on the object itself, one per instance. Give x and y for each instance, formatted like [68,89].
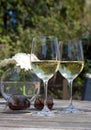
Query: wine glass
[19,87]
[45,62]
[71,65]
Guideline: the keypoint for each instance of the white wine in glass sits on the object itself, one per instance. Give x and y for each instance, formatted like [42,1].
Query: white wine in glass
[45,49]
[71,65]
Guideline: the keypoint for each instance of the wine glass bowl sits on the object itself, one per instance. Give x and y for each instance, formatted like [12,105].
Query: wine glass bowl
[45,49]
[18,88]
[71,64]
[46,62]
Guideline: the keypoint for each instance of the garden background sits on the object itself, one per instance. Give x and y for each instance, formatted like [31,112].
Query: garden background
[21,20]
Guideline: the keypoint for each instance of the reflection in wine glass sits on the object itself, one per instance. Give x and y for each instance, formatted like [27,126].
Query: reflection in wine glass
[71,65]
[45,53]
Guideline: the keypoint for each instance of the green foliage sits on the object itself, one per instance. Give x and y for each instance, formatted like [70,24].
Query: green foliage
[59,18]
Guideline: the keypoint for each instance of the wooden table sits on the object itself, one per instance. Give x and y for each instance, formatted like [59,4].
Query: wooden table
[24,120]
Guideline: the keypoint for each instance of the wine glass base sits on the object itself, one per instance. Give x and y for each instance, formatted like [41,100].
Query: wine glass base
[44,112]
[70,109]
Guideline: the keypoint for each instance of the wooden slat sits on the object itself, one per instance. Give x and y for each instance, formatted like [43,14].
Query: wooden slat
[24,120]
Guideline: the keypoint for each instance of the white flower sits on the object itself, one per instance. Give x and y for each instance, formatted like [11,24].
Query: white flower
[22,60]
[34,57]
[6,61]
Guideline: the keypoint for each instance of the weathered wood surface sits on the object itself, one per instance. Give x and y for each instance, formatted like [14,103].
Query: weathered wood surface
[24,120]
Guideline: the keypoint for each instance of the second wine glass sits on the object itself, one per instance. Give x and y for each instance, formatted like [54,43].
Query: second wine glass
[71,65]
[45,62]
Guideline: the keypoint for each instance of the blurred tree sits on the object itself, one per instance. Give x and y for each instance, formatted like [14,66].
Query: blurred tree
[21,20]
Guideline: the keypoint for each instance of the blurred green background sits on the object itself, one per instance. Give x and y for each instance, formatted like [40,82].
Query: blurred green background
[21,20]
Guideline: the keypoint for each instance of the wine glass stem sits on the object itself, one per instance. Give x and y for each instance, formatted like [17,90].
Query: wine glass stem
[45,92]
[70,82]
